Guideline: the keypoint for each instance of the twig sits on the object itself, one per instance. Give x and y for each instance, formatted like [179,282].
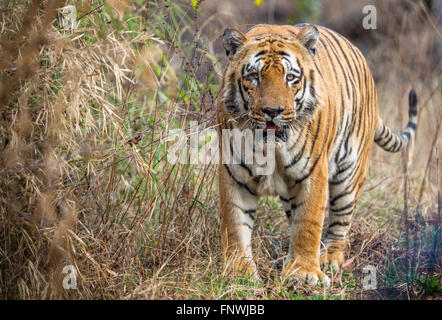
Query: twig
[90,12]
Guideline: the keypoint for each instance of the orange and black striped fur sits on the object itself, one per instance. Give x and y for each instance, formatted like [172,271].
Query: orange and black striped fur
[314,88]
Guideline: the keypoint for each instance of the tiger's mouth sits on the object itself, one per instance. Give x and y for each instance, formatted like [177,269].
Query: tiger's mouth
[279,132]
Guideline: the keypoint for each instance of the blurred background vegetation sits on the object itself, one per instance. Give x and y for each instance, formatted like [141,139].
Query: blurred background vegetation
[85,120]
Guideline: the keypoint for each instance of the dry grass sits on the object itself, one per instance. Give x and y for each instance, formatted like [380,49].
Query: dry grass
[84,180]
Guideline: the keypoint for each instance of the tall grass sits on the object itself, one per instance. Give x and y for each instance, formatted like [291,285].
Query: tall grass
[86,117]
[85,125]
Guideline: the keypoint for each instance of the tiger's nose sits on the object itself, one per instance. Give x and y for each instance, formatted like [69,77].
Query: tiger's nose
[272,112]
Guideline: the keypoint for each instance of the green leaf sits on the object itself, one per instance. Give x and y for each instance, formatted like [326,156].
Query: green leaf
[259,3]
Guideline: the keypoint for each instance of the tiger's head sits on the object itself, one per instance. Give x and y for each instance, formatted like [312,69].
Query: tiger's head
[270,79]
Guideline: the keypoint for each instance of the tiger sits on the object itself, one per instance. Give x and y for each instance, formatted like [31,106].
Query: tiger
[312,90]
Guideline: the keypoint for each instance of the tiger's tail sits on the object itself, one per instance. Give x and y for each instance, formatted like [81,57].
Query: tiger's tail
[393,142]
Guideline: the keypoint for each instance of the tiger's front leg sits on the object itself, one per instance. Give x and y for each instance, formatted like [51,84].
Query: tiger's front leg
[302,263]
[238,209]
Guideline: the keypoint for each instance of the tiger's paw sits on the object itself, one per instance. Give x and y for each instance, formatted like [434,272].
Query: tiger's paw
[333,261]
[333,256]
[303,273]
[309,278]
[241,267]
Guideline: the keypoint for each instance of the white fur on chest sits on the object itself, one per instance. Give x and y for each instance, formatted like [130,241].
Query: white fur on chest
[272,185]
[277,181]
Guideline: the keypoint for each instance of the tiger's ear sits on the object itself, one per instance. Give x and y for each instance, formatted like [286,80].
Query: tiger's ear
[233,41]
[309,36]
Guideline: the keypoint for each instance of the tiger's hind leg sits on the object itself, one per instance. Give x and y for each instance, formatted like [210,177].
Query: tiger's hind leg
[344,190]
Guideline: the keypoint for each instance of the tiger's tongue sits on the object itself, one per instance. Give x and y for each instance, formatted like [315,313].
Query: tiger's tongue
[271,126]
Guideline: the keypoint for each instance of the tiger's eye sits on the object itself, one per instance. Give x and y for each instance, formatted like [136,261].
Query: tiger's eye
[255,75]
[290,77]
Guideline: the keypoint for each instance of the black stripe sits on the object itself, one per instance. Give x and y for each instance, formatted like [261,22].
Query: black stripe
[356,62]
[388,141]
[312,167]
[347,119]
[238,182]
[315,138]
[351,174]
[380,137]
[396,145]
[341,195]
[230,103]
[282,53]
[333,234]
[261,53]
[337,223]
[298,156]
[348,206]
[317,69]
[242,164]
[246,104]
[303,93]
[286,199]
[366,106]
[351,130]
[290,64]
[342,170]
[340,65]
[311,103]
[245,225]
[343,53]
[411,125]
[341,214]
[329,59]
[250,213]
[296,206]
[412,103]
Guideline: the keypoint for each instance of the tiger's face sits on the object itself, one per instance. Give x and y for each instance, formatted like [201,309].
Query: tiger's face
[271,79]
